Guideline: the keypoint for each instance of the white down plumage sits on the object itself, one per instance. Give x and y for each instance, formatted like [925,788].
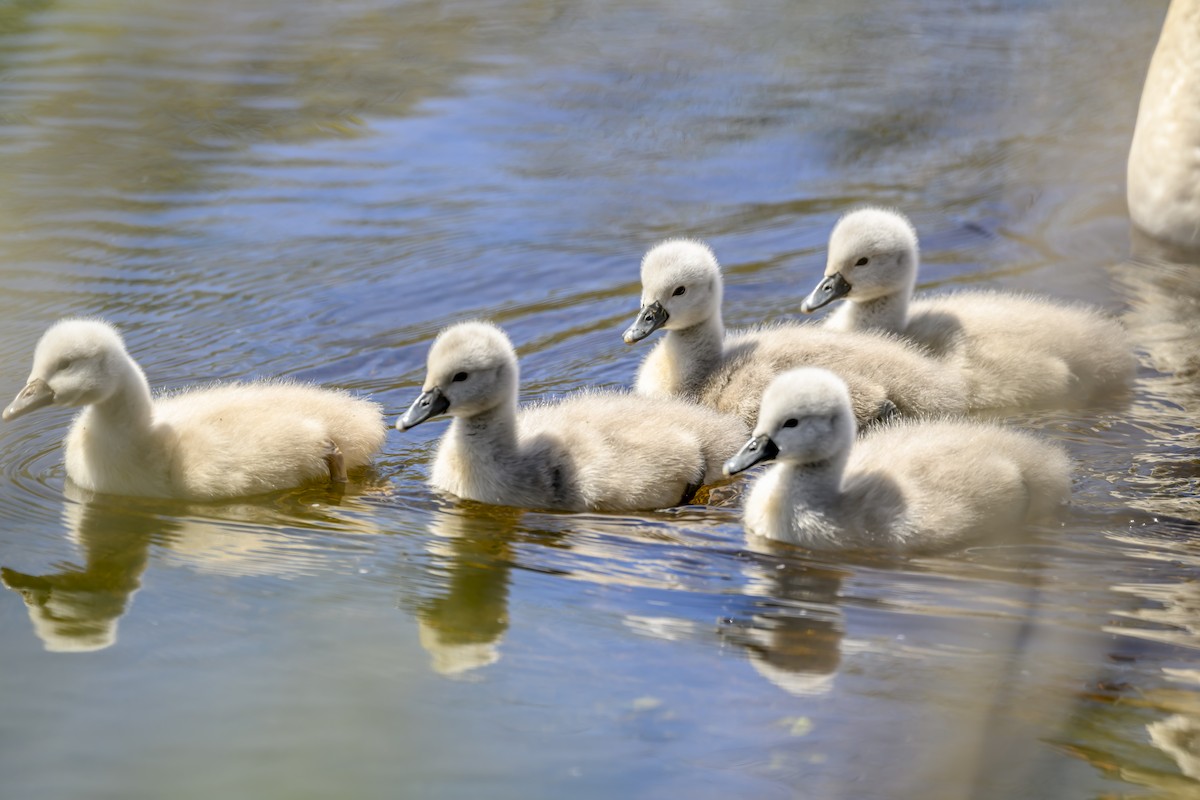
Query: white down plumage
[200,444]
[593,450]
[1013,351]
[909,486]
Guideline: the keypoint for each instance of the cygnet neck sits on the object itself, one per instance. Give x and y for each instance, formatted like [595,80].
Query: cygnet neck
[887,314]
[493,430]
[130,407]
[697,350]
[816,485]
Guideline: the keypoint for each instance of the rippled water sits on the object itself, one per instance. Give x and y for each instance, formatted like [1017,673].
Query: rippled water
[313,189]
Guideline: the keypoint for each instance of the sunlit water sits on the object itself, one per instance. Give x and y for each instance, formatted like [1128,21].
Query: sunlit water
[313,189]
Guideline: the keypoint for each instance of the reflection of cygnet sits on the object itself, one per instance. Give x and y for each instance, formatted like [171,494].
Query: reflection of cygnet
[1014,351]
[69,620]
[681,293]
[803,662]
[908,486]
[461,628]
[454,658]
[202,444]
[593,450]
[1179,737]
[1163,301]
[236,539]
[794,636]
[1172,615]
[76,609]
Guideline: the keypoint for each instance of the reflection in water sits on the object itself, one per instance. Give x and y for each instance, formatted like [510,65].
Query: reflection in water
[318,186]
[156,163]
[1179,737]
[462,627]
[77,608]
[1172,613]
[794,632]
[1162,285]
[1149,738]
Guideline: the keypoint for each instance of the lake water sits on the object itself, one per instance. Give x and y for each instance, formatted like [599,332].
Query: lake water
[313,189]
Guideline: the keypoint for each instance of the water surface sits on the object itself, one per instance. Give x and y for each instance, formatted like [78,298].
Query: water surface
[313,189]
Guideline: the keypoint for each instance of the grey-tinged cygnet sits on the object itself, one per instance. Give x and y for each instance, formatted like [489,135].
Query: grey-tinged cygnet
[200,444]
[1013,351]
[594,450]
[681,293]
[1163,171]
[909,486]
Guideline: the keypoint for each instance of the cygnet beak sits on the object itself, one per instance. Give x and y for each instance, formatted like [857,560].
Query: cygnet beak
[429,404]
[756,451]
[828,290]
[649,319]
[36,394]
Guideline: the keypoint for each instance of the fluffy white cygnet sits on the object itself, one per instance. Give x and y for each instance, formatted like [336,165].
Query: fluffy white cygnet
[909,486]
[1013,351]
[697,360]
[605,451]
[1163,186]
[200,444]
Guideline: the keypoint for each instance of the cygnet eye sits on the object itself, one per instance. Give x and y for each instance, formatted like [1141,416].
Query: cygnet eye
[791,423]
[63,363]
[459,377]
[862,262]
[678,291]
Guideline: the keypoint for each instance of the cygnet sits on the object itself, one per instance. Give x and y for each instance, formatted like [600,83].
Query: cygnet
[681,293]
[594,450]
[199,444]
[1015,352]
[909,486]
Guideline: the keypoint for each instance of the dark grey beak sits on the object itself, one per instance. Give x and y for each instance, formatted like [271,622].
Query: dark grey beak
[649,319]
[828,290]
[756,451]
[36,394]
[428,405]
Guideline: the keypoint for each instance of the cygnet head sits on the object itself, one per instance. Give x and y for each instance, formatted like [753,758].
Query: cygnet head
[77,362]
[805,419]
[472,368]
[681,287]
[872,253]
[67,620]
